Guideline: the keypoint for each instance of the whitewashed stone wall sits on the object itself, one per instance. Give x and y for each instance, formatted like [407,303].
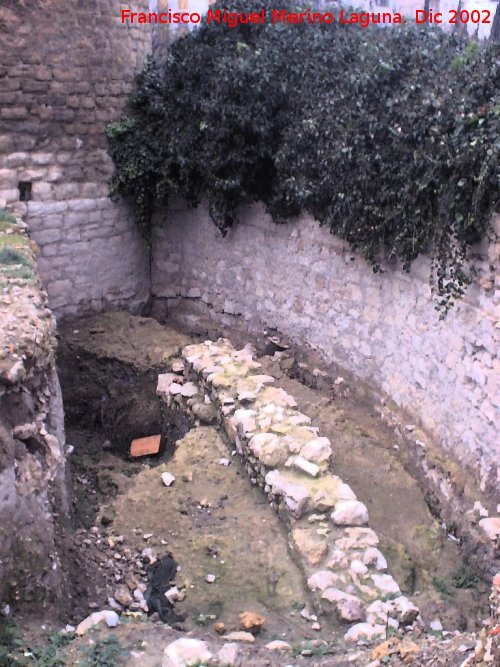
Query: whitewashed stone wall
[91,256]
[306,283]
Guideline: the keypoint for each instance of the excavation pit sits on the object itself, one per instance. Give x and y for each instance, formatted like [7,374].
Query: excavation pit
[212,520]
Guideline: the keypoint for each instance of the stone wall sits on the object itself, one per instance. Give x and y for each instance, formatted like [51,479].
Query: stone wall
[384,327]
[34,507]
[66,69]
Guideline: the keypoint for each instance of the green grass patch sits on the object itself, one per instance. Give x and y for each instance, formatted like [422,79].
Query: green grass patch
[10,256]
[464,577]
[13,239]
[103,653]
[5,216]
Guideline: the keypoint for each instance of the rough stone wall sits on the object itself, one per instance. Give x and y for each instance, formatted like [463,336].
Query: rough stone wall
[66,68]
[384,328]
[34,507]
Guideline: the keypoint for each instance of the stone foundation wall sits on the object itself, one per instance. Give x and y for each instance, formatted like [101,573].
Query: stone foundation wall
[66,69]
[309,286]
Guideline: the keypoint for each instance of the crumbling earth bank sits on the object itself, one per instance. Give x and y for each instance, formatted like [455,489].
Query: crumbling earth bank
[34,500]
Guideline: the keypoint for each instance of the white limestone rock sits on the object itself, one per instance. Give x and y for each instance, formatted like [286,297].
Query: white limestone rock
[295,495]
[303,465]
[167,478]
[317,450]
[374,557]
[385,584]
[228,656]
[269,449]
[107,616]
[350,513]
[278,645]
[323,579]
[357,538]
[188,389]
[348,607]
[365,631]
[491,527]
[186,652]
[239,636]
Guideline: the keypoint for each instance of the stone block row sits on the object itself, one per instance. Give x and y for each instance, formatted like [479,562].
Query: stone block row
[285,455]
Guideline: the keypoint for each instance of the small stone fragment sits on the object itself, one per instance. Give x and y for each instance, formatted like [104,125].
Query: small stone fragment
[278,645]
[436,625]
[491,527]
[186,652]
[188,389]
[220,628]
[106,616]
[364,631]
[251,621]
[239,636]
[210,578]
[227,656]
[123,596]
[167,478]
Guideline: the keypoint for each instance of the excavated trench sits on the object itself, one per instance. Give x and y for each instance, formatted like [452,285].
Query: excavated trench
[211,519]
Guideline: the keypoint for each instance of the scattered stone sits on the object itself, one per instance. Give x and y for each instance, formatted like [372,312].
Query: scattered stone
[173,594]
[123,596]
[186,652]
[278,645]
[210,578]
[436,625]
[251,621]
[350,513]
[227,656]
[239,636]
[175,388]
[224,462]
[131,582]
[167,478]
[106,616]
[407,611]
[220,628]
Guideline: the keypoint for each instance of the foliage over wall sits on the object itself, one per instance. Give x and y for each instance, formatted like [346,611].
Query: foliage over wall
[390,137]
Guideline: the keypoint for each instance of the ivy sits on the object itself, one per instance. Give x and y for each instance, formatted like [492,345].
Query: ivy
[389,137]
